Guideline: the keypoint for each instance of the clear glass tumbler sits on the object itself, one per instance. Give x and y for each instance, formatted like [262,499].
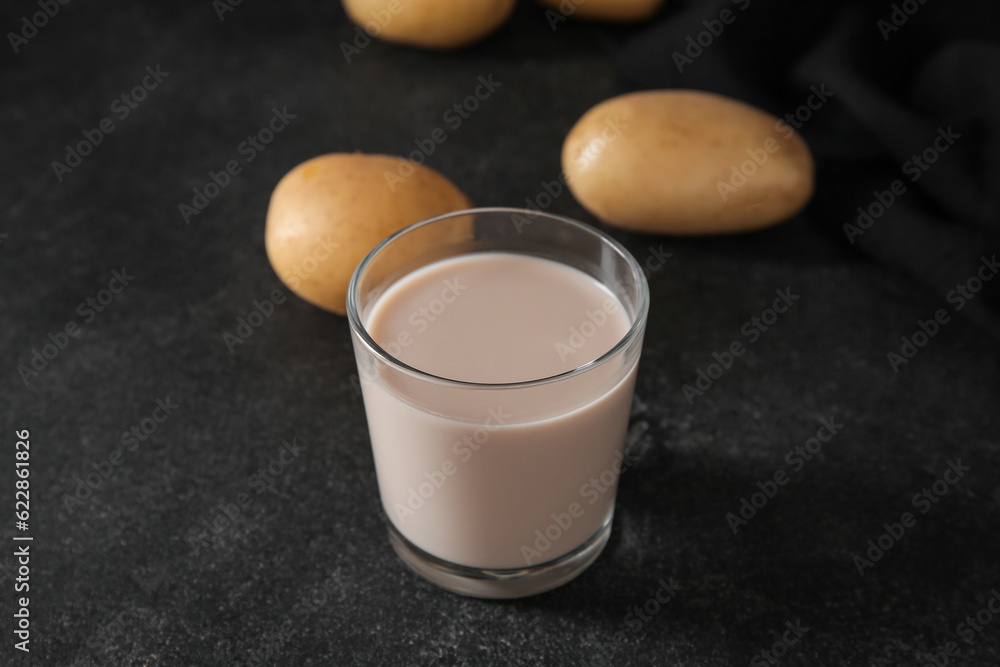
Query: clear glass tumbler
[498,490]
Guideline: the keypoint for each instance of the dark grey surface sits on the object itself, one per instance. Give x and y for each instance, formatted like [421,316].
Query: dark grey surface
[117,579]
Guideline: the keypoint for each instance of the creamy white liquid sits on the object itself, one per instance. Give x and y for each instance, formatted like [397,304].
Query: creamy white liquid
[473,486]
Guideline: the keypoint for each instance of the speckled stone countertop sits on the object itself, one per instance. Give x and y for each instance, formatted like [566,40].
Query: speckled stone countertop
[195,502]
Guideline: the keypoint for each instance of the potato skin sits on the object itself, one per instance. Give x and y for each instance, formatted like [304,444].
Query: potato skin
[334,208]
[429,24]
[617,11]
[663,162]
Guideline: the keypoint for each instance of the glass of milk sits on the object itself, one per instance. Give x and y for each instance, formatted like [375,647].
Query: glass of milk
[497,352]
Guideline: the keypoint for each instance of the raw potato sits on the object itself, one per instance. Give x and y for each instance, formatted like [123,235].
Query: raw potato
[686,162]
[605,10]
[328,212]
[429,24]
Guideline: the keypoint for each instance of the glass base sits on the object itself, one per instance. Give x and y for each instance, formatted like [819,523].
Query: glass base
[500,584]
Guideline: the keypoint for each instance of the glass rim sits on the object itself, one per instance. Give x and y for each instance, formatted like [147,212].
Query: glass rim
[359,328]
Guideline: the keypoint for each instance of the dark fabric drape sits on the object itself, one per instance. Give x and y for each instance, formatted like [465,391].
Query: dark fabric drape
[905,91]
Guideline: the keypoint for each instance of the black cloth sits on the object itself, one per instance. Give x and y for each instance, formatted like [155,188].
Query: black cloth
[885,81]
